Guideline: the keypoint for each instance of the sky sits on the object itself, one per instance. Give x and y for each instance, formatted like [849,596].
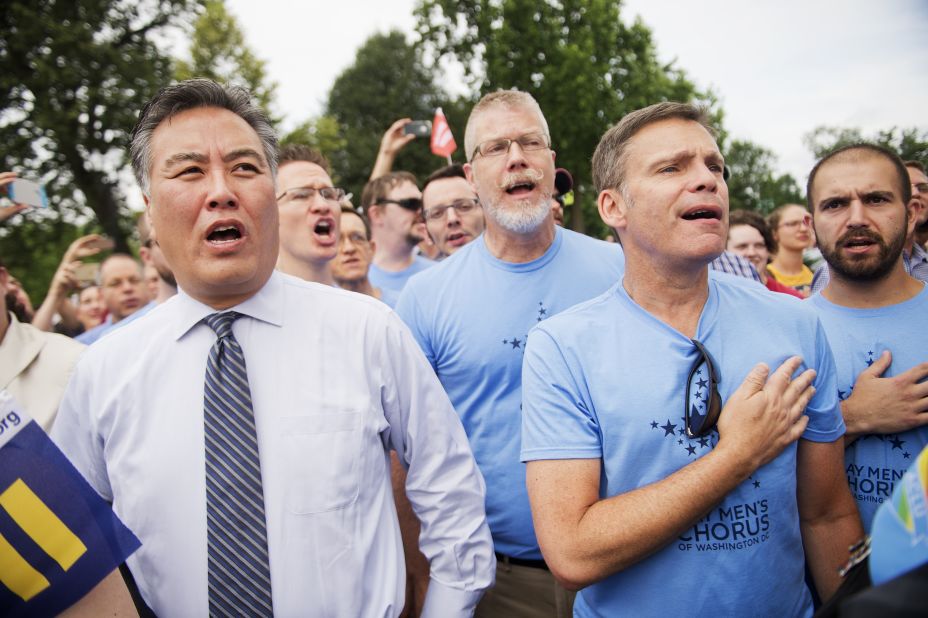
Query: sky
[780,68]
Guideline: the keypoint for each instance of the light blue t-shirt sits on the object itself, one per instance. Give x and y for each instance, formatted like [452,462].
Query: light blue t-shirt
[471,314]
[606,380]
[94,334]
[395,281]
[874,463]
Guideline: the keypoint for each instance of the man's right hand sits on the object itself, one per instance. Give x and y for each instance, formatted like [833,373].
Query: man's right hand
[886,405]
[764,416]
[394,139]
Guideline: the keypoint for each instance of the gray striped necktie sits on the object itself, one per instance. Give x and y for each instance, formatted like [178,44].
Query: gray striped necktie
[238,576]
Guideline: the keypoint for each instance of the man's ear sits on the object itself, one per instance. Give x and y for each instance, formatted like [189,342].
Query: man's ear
[469,173]
[914,209]
[375,214]
[613,208]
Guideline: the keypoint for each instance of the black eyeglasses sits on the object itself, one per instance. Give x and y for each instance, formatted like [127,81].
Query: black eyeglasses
[410,203]
[702,415]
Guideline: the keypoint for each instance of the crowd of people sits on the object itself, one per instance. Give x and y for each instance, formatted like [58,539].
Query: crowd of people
[442,402]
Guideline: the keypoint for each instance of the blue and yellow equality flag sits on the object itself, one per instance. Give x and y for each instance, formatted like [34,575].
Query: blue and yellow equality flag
[58,537]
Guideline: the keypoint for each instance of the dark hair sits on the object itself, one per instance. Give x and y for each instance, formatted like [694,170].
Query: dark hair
[192,94]
[916,164]
[855,152]
[455,170]
[300,152]
[378,188]
[367,224]
[753,219]
[609,157]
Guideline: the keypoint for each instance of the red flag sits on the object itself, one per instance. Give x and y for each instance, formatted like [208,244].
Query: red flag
[442,141]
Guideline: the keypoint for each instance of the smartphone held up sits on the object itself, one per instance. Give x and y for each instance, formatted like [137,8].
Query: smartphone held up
[24,191]
[419,128]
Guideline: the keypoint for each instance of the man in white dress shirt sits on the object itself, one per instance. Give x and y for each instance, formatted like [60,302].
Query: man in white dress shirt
[335,381]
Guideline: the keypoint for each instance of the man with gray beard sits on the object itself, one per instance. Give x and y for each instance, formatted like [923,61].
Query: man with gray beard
[526,268]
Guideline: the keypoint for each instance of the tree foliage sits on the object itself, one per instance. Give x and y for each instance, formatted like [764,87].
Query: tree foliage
[387,81]
[219,52]
[585,66]
[73,76]
[908,143]
[754,185]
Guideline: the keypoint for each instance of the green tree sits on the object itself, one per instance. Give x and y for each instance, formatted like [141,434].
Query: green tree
[754,185]
[387,81]
[73,76]
[908,143]
[218,51]
[583,64]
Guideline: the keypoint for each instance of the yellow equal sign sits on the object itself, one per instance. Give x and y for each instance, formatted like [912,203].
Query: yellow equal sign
[44,528]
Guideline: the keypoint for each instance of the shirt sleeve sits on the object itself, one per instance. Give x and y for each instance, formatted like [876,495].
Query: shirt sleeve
[824,410]
[558,421]
[409,309]
[75,431]
[443,483]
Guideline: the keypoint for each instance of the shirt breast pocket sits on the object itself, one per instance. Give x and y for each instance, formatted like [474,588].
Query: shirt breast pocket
[323,454]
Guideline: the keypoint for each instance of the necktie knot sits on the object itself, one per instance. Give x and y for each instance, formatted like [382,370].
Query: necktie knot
[221,323]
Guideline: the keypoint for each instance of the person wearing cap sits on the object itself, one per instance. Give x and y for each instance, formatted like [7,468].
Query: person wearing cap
[563,187]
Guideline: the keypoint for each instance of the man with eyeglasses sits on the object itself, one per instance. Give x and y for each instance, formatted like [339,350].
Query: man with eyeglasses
[124,294]
[452,212]
[471,314]
[393,205]
[309,215]
[873,310]
[682,431]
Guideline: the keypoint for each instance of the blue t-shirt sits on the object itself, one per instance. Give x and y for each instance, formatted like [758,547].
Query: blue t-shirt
[858,336]
[606,380]
[395,281]
[471,315]
[92,335]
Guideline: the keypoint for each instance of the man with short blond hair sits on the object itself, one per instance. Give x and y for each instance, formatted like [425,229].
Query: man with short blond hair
[667,474]
[471,314]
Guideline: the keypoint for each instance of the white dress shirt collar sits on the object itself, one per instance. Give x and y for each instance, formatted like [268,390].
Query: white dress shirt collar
[265,305]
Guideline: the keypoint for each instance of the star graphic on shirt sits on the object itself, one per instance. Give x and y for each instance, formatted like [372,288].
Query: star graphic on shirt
[704,441]
[669,429]
[680,441]
[691,449]
[869,357]
[654,425]
[756,484]
[702,384]
[906,455]
[516,343]
[897,443]
[841,394]
[542,312]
